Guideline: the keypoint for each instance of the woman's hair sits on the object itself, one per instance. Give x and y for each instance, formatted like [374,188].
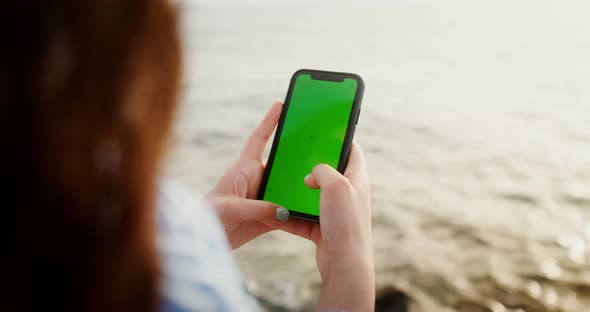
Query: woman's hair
[87,93]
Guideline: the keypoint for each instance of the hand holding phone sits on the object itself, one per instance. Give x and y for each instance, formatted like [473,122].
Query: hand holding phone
[345,250]
[344,240]
[234,195]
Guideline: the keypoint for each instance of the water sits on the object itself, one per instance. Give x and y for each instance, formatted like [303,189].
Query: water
[475,125]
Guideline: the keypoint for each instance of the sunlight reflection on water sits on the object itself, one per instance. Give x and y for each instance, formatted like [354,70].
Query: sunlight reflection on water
[475,125]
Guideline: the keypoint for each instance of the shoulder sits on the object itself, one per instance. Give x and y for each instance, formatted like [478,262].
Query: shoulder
[199,273]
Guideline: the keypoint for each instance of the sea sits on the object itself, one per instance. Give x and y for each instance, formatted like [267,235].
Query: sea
[475,125]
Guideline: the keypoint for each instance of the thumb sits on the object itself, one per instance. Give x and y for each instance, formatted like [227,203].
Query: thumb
[323,175]
[260,211]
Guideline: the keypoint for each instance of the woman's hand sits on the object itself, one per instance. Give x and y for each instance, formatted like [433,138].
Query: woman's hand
[234,197]
[344,237]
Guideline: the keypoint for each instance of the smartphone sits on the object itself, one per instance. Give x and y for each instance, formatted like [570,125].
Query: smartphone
[316,126]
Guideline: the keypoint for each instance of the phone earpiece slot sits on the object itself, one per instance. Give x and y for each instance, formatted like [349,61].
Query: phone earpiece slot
[327,77]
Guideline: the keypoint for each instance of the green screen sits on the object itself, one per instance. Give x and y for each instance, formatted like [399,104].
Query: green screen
[313,133]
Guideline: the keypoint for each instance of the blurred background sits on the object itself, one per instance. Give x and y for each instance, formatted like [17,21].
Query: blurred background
[475,125]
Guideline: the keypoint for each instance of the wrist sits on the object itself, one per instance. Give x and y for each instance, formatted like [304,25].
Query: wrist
[348,286]
[349,260]
[360,269]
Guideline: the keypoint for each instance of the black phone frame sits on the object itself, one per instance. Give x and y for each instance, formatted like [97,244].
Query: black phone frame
[346,146]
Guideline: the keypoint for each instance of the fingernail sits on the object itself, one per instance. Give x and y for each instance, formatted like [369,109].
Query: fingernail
[306,177]
[282,214]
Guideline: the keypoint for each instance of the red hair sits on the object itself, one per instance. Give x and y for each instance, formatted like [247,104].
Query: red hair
[87,91]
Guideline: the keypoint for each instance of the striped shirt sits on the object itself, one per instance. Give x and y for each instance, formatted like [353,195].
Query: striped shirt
[199,273]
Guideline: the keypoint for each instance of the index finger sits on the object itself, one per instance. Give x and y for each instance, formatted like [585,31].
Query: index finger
[256,142]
